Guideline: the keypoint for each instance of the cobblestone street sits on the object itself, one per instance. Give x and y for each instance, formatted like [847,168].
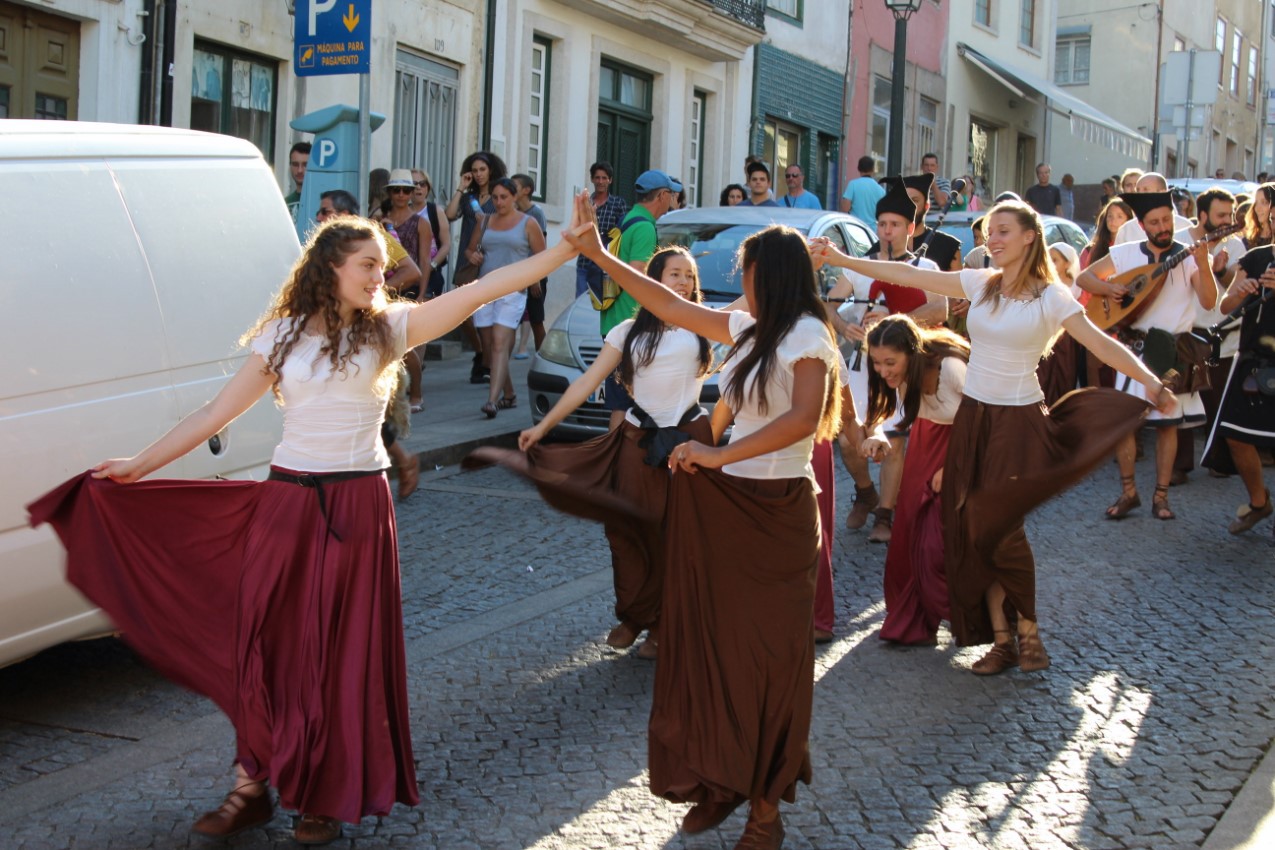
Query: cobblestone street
[529,733]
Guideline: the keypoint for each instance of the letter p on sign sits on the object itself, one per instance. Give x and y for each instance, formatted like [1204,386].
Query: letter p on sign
[318,7]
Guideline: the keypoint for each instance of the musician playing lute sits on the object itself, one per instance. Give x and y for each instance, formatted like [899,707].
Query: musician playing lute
[1156,332]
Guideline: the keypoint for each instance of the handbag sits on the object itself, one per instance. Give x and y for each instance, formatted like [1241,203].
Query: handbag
[1193,354]
[469,272]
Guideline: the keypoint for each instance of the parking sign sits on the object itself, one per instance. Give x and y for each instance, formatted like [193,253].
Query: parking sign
[332,37]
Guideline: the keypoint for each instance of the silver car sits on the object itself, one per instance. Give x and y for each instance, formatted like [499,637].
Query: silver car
[713,236]
[1057,229]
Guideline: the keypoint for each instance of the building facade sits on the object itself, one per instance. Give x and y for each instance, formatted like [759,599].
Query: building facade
[870,74]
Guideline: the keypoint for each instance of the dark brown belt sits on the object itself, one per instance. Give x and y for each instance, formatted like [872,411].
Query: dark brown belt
[317,480]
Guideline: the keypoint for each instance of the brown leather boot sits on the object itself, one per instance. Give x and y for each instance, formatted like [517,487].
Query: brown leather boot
[1031,653]
[238,813]
[1002,656]
[865,500]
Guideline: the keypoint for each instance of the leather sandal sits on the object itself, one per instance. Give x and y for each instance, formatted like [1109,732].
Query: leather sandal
[1031,653]
[1248,516]
[866,500]
[1002,656]
[882,525]
[489,410]
[705,816]
[1119,509]
[506,402]
[649,650]
[762,835]
[316,829]
[237,813]
[1160,503]
[622,636]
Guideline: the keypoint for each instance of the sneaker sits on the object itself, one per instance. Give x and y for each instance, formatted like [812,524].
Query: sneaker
[1248,516]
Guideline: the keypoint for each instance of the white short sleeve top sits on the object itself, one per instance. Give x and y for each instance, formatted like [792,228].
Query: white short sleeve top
[331,420]
[1172,309]
[809,338]
[1006,343]
[941,407]
[668,386]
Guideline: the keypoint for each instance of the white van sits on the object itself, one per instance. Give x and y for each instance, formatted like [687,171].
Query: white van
[133,258]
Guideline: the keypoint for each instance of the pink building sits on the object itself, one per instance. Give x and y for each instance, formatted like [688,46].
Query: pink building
[868,95]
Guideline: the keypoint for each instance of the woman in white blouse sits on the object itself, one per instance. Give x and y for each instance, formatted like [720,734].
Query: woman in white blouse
[663,367]
[924,368]
[730,714]
[1008,452]
[279,599]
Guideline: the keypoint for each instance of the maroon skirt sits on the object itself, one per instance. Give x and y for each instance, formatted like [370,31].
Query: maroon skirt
[916,597]
[1003,462]
[730,714]
[607,479]
[242,592]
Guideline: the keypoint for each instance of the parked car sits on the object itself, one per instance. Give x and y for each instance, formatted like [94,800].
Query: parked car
[121,315]
[712,235]
[1056,229]
[1196,185]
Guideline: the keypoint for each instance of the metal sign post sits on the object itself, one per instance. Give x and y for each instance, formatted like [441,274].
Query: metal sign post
[335,37]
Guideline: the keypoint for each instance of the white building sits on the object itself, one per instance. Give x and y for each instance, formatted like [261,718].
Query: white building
[1002,101]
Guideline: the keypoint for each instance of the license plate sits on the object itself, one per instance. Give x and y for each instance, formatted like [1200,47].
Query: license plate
[597,396]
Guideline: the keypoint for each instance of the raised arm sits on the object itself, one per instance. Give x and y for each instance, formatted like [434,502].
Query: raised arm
[654,296]
[239,394]
[940,283]
[606,363]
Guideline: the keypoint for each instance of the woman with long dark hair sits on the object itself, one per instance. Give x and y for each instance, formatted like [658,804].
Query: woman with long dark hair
[1110,220]
[730,714]
[1257,223]
[472,202]
[921,370]
[279,600]
[663,368]
[1007,453]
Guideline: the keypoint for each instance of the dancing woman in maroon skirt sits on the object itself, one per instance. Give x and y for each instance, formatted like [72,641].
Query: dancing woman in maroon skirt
[925,369]
[734,684]
[279,600]
[1007,452]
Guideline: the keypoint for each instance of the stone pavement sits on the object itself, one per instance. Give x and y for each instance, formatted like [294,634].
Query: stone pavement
[530,734]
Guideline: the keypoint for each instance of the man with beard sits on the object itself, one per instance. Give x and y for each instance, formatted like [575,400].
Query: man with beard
[1171,313]
[1215,209]
[896,214]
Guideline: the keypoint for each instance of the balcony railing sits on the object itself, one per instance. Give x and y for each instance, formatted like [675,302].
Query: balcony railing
[749,12]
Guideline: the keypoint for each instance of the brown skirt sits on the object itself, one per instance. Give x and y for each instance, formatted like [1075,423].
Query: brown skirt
[730,715]
[607,479]
[1003,462]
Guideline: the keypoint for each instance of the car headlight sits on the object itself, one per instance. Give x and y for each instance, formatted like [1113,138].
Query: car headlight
[556,348]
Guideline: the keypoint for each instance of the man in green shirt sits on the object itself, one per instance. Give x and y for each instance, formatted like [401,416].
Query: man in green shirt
[656,193]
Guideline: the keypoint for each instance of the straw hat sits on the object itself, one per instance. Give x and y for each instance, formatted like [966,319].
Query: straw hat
[401,177]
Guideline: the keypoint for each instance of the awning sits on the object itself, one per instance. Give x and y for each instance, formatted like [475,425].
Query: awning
[1086,122]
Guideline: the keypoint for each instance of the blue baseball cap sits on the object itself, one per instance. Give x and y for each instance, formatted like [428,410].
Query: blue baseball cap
[654,179]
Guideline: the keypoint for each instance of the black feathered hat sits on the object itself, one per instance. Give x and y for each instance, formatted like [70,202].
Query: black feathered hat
[896,199]
[1145,202]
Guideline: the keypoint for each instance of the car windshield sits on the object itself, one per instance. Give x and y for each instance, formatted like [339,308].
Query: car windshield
[713,245]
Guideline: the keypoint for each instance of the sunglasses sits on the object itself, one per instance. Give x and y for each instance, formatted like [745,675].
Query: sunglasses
[792,176]
[424,184]
[401,190]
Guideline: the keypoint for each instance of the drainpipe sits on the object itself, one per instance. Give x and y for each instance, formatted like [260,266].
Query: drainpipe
[1262,82]
[1155,104]
[489,73]
[165,69]
[146,80]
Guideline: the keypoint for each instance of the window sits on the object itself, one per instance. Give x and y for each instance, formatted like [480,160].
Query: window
[50,108]
[1027,24]
[1072,62]
[233,93]
[1236,42]
[425,118]
[624,123]
[881,90]
[927,124]
[538,113]
[1219,43]
[983,12]
[780,149]
[1179,44]
[1252,75]
[4,101]
[982,162]
[785,8]
[695,153]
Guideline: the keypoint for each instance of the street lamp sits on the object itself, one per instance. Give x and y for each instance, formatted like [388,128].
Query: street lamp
[902,10]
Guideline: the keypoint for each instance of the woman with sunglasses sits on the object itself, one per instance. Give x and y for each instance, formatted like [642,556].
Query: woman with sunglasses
[413,233]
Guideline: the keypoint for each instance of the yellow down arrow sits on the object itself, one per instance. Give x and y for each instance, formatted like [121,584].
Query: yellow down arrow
[350,19]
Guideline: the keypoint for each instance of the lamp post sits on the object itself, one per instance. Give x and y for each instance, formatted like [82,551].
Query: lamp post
[902,9]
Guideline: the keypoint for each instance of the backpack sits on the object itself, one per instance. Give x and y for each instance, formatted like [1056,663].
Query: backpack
[610,289]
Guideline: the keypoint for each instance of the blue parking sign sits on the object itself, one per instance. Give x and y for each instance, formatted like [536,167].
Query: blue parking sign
[332,37]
